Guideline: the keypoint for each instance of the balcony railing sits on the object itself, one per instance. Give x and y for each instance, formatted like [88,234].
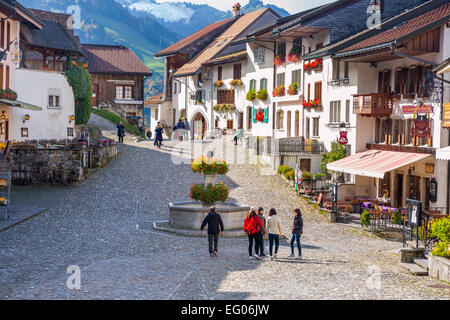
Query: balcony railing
[377,105]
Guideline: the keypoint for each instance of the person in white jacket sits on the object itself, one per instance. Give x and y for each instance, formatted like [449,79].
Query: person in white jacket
[273,225]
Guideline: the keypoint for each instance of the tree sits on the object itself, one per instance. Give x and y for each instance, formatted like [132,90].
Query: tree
[338,151]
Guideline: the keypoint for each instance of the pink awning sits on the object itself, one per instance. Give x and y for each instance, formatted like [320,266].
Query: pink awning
[375,163]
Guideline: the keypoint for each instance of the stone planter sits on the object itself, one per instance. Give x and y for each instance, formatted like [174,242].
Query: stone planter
[190,215]
[439,268]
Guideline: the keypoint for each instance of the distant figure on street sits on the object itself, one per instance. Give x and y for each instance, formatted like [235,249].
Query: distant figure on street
[262,232]
[180,124]
[239,135]
[252,226]
[158,135]
[274,229]
[149,134]
[297,231]
[215,227]
[120,131]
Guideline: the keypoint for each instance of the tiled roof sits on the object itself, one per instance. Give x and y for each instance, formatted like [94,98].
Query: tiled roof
[154,100]
[403,29]
[113,59]
[193,37]
[239,26]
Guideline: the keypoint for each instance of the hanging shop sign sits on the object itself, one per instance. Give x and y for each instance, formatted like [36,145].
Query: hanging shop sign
[446,120]
[343,137]
[422,123]
[16,54]
[411,109]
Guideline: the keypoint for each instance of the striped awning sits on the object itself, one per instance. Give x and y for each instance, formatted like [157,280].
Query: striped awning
[375,163]
[443,154]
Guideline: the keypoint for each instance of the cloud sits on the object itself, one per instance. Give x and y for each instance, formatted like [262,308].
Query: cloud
[169,12]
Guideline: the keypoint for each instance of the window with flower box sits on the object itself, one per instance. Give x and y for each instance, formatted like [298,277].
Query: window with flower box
[297,77]
[281,79]
[263,84]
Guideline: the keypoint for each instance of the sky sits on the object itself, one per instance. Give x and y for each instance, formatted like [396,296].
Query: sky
[292,6]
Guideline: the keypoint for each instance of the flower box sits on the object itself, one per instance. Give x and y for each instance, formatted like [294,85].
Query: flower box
[313,65]
[279,91]
[262,95]
[225,107]
[279,60]
[312,104]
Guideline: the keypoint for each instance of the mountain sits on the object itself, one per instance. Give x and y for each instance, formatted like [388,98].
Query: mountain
[145,26]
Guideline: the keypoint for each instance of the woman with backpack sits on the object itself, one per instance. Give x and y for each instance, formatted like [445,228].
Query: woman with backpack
[297,231]
[274,229]
[252,226]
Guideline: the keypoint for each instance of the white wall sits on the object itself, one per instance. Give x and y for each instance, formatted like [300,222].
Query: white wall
[32,86]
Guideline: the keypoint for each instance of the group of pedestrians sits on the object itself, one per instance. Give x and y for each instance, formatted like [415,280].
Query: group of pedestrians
[158,134]
[257,227]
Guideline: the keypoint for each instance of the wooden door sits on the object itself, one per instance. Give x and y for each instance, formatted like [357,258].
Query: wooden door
[399,190]
[199,127]
[95,95]
[305,165]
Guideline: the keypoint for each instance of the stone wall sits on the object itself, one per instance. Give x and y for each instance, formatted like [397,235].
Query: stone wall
[56,166]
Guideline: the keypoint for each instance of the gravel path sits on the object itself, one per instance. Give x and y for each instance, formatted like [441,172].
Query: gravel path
[104,226]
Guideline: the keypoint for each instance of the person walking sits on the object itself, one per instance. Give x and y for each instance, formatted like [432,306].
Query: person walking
[297,231]
[252,226]
[262,232]
[158,135]
[215,227]
[149,134]
[120,131]
[274,230]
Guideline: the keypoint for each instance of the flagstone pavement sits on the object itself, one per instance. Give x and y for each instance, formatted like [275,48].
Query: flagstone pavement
[103,226]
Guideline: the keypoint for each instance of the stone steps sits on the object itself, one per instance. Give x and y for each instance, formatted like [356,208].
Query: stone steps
[421,262]
[414,269]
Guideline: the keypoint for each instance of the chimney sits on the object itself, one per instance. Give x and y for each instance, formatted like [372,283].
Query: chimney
[236,10]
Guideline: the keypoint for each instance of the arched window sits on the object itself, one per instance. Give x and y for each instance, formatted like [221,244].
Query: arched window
[252,84]
[263,84]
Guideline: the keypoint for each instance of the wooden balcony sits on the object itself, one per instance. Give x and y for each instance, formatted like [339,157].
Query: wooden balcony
[376,105]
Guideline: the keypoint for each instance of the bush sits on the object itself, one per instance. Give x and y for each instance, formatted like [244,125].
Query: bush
[320,176]
[441,249]
[211,194]
[441,229]
[290,175]
[251,95]
[283,169]
[365,218]
[397,217]
[262,95]
[306,176]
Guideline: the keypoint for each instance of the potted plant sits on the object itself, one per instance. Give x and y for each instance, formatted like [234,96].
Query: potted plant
[236,83]
[262,95]
[251,95]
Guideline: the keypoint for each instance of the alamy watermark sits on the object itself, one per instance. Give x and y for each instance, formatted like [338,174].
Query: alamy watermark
[74,280]
[373,282]
[74,21]
[374,19]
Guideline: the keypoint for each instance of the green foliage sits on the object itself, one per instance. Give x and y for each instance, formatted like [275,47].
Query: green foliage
[337,152]
[441,229]
[211,194]
[365,218]
[307,176]
[251,95]
[80,81]
[397,217]
[441,249]
[290,175]
[207,165]
[116,119]
[262,95]
[320,176]
[283,169]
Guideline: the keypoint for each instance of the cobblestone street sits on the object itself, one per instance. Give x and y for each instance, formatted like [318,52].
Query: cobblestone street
[104,225]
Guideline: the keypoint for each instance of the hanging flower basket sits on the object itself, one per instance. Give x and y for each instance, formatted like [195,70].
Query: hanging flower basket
[236,83]
[314,65]
[279,60]
[218,83]
[279,91]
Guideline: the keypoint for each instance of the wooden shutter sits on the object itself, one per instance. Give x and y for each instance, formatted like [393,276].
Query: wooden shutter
[254,111]
[219,73]
[2,36]
[309,91]
[318,90]
[266,115]
[8,34]
[7,77]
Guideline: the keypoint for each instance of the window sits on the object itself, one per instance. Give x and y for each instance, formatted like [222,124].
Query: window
[280,118]
[253,85]
[124,92]
[281,50]
[315,132]
[336,69]
[53,101]
[225,96]
[24,132]
[260,55]
[318,90]
[8,34]
[280,79]
[175,87]
[263,84]
[237,68]
[219,73]
[335,111]
[70,132]
[346,70]
[297,76]
[384,81]
[297,44]
[230,124]
[319,45]
[347,111]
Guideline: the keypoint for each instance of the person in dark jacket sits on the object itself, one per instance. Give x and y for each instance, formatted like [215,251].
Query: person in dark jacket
[262,232]
[215,227]
[297,231]
[158,135]
[120,131]
[149,134]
